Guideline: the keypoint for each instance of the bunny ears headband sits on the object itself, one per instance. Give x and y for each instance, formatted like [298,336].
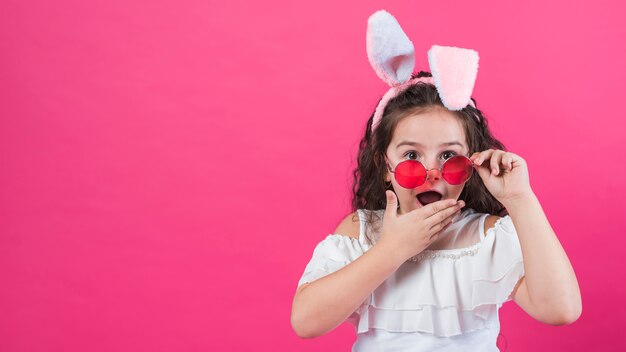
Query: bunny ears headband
[392,55]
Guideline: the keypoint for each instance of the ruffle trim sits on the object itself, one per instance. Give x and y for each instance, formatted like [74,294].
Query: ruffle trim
[403,303]
[406,304]
[330,255]
[442,322]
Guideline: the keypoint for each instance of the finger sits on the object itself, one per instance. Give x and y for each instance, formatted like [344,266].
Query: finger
[507,161]
[392,204]
[435,207]
[440,226]
[496,158]
[433,237]
[474,156]
[445,214]
[483,171]
[482,156]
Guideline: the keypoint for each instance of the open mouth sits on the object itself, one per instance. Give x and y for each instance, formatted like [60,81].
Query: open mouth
[426,198]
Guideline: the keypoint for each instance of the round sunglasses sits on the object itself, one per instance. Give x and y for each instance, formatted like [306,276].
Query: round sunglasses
[412,173]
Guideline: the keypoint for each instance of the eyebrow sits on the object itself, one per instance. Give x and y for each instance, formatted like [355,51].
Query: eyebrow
[415,144]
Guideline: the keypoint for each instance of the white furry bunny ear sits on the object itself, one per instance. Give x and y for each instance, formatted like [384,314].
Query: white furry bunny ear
[389,50]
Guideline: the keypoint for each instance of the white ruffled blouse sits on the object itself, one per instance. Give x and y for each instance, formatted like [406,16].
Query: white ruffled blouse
[444,299]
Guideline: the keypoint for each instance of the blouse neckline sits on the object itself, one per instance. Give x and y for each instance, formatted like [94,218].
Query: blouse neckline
[452,253]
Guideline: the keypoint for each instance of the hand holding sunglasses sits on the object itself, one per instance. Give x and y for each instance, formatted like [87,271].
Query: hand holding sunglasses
[505,175]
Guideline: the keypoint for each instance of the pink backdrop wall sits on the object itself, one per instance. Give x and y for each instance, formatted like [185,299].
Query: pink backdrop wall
[166,167]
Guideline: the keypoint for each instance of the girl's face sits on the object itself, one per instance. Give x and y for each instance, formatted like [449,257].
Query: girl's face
[430,137]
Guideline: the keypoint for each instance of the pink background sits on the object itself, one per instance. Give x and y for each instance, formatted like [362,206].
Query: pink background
[167,167]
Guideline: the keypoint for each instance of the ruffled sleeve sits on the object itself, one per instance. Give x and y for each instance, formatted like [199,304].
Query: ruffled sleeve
[330,255]
[502,267]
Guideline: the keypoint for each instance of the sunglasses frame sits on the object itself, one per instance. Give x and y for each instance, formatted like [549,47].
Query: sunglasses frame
[440,170]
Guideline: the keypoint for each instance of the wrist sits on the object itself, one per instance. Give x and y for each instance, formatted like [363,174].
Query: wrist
[395,255]
[520,201]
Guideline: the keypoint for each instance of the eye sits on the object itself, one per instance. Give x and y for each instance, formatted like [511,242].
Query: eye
[411,152]
[448,153]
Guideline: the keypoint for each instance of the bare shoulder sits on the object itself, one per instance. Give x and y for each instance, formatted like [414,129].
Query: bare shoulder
[490,221]
[350,226]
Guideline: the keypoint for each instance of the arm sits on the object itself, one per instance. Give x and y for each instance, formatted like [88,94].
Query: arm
[324,304]
[549,292]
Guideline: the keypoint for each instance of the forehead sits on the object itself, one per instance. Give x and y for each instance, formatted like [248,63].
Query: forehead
[430,128]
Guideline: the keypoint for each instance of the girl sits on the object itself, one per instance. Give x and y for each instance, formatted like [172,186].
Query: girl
[424,263]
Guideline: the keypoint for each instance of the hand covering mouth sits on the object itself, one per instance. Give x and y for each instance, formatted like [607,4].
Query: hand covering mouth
[428,197]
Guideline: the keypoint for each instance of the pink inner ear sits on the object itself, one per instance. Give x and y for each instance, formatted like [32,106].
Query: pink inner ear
[454,70]
[389,50]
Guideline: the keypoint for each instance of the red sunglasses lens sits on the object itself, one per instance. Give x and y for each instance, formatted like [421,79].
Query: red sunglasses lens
[410,174]
[457,170]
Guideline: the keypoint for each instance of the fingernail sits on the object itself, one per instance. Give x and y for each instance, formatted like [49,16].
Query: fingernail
[495,172]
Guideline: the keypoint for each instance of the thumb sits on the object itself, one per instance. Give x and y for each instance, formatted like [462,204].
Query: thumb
[392,203]
[483,172]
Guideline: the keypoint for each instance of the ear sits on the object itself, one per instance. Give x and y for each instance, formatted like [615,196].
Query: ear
[389,50]
[388,174]
[454,71]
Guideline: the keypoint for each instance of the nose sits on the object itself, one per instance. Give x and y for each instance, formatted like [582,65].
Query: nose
[433,174]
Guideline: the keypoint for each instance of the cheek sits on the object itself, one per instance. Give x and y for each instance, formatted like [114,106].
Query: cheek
[404,196]
[455,191]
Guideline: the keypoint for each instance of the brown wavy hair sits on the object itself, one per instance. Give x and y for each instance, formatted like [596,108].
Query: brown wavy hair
[369,176]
